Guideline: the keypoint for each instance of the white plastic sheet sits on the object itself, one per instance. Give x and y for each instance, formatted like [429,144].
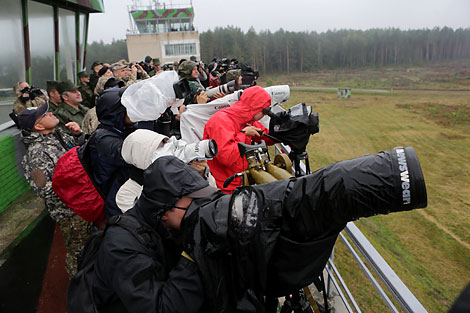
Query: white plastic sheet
[148,99]
[195,117]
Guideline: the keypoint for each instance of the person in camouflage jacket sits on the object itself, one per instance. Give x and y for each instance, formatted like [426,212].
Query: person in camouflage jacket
[45,145]
[129,75]
[26,98]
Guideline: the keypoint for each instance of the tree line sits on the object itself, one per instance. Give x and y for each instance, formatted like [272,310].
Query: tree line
[284,51]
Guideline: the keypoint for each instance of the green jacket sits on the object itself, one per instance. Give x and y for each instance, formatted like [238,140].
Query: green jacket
[87,95]
[66,113]
[53,107]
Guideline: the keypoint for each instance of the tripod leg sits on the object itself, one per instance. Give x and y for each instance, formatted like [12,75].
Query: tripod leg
[313,304]
[325,296]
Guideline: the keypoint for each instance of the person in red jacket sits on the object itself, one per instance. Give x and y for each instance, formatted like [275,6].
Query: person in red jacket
[230,126]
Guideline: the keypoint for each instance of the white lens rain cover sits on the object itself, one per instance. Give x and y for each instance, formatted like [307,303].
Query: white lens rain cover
[148,99]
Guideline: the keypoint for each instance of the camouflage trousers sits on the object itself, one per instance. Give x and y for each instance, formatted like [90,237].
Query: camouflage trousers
[75,231]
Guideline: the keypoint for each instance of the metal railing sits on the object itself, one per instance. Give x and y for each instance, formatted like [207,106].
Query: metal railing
[372,257]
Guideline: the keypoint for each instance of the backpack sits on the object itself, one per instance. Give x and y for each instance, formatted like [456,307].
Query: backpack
[80,289]
[73,183]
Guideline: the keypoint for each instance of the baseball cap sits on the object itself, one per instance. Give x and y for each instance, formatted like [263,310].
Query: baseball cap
[82,74]
[96,63]
[67,86]
[28,117]
[112,82]
[119,65]
[52,85]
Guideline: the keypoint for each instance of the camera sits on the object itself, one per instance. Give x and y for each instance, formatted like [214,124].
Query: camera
[249,75]
[187,152]
[145,66]
[200,65]
[32,92]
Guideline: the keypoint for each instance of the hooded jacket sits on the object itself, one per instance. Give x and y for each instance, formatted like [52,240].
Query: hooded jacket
[140,149]
[109,169]
[130,277]
[225,128]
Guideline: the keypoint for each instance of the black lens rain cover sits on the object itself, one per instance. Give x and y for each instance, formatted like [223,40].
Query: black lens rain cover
[295,126]
[181,89]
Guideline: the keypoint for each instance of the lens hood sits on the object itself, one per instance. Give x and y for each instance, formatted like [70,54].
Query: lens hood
[410,179]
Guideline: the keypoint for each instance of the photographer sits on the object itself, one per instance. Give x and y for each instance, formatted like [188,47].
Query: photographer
[128,73]
[108,168]
[202,77]
[155,276]
[143,147]
[188,70]
[230,126]
[156,69]
[27,97]
[262,241]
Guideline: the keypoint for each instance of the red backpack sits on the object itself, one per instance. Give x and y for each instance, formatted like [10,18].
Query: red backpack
[72,182]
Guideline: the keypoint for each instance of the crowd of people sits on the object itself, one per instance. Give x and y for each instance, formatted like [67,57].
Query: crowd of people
[172,237]
[130,277]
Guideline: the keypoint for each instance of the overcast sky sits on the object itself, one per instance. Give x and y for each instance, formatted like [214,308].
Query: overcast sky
[297,15]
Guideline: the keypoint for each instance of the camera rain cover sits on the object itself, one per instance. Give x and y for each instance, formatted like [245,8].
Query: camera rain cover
[148,99]
[295,126]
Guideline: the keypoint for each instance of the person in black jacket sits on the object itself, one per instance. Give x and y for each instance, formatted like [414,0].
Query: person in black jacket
[132,277]
[109,169]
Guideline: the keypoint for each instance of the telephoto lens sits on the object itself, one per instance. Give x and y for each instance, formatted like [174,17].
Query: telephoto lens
[390,181]
[197,151]
[211,148]
[228,88]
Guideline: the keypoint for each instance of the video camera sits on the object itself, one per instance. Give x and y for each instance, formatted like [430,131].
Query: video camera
[294,127]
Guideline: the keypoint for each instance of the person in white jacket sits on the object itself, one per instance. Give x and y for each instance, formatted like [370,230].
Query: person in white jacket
[143,146]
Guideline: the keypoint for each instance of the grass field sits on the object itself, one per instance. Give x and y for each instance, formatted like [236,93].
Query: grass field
[429,249]
[444,76]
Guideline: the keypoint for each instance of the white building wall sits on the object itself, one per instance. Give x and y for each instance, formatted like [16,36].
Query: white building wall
[141,45]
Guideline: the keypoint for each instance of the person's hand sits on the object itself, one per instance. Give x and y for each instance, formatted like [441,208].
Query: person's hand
[218,95]
[199,166]
[74,128]
[139,68]
[180,111]
[134,68]
[251,130]
[201,98]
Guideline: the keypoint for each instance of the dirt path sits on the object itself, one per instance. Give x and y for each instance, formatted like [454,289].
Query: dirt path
[443,228]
